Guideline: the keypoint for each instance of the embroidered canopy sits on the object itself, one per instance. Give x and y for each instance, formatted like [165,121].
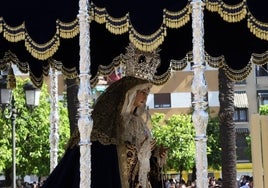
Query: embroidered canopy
[38,34]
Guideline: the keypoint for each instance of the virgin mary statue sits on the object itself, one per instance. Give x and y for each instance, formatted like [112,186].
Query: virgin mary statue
[123,152]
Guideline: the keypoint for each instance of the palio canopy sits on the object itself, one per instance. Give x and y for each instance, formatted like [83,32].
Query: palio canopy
[38,34]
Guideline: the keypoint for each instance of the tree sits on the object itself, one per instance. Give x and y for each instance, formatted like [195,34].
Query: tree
[72,102]
[263,110]
[32,135]
[164,132]
[177,134]
[227,130]
[213,143]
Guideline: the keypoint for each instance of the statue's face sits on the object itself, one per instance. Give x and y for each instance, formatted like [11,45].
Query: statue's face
[141,97]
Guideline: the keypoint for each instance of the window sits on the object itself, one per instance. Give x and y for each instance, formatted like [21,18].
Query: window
[261,70]
[263,98]
[162,100]
[240,114]
[242,148]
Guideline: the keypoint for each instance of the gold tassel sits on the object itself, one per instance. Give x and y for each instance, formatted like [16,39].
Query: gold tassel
[100,18]
[212,6]
[117,25]
[237,75]
[14,34]
[255,27]
[176,19]
[32,47]
[69,72]
[1,24]
[14,37]
[148,42]
[233,13]
[99,15]
[11,79]
[68,30]
[118,30]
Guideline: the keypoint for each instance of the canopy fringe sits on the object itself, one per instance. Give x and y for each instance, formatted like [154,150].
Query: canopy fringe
[236,13]
[232,74]
[259,59]
[162,79]
[98,14]
[1,24]
[237,75]
[37,81]
[42,51]
[68,30]
[147,43]
[233,13]
[229,13]
[117,26]
[14,34]
[46,69]
[214,62]
[69,73]
[177,19]
[177,65]
[11,58]
[259,29]
[212,6]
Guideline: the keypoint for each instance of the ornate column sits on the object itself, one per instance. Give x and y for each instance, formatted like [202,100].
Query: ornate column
[54,119]
[199,89]
[84,122]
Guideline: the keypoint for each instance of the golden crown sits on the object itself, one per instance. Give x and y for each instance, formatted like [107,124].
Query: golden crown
[141,64]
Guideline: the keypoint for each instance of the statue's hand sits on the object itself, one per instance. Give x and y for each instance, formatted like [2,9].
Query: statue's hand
[163,152]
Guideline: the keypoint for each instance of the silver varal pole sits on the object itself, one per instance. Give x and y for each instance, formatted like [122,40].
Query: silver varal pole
[54,119]
[199,89]
[84,95]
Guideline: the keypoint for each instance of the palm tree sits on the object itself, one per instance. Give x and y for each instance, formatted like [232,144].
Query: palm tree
[227,130]
[72,86]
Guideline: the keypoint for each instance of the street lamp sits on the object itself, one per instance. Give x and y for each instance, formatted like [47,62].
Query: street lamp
[8,103]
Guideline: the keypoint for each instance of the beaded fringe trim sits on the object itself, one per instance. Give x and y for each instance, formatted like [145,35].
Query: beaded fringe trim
[236,13]
[37,50]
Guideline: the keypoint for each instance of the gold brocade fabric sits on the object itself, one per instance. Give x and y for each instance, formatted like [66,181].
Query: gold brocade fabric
[114,122]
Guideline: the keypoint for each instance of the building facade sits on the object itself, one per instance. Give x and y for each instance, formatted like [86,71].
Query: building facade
[175,97]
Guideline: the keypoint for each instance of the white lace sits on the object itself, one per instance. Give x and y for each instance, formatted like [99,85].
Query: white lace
[137,133]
